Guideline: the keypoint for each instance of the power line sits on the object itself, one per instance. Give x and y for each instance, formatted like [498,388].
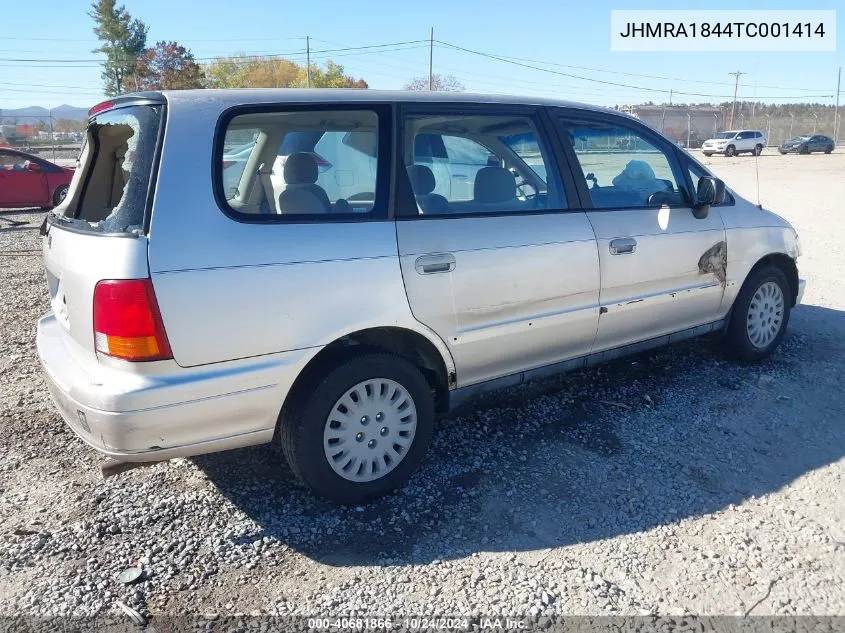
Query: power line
[643,76]
[605,82]
[26,60]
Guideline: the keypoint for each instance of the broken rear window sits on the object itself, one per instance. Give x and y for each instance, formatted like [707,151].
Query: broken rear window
[122,145]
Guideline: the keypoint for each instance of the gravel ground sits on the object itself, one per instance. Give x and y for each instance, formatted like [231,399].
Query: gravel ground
[670,483]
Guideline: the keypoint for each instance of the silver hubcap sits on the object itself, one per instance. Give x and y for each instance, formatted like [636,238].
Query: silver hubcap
[370,430]
[765,314]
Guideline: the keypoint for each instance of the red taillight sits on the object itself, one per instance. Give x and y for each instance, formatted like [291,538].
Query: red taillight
[127,321]
[105,105]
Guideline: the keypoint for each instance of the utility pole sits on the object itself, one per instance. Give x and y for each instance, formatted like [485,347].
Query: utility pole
[689,125]
[308,61]
[736,75]
[670,96]
[431,60]
[815,121]
[52,138]
[715,124]
[791,122]
[836,109]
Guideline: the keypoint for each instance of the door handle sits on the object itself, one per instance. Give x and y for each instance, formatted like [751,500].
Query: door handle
[623,246]
[437,263]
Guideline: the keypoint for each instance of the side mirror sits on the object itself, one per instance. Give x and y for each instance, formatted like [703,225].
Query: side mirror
[33,166]
[710,191]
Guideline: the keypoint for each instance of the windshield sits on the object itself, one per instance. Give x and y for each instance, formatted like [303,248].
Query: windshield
[726,135]
[798,139]
[525,146]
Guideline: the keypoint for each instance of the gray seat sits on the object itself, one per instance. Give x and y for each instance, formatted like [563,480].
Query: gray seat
[302,194]
[423,184]
[494,189]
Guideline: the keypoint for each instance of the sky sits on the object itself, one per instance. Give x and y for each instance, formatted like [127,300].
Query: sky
[558,35]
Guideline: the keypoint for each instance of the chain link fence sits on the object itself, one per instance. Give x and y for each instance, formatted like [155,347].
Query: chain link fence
[690,126]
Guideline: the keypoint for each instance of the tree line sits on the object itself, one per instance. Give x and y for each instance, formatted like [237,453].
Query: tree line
[131,65]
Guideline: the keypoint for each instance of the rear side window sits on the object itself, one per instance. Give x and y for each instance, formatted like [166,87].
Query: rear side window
[301,164]
[491,163]
[117,160]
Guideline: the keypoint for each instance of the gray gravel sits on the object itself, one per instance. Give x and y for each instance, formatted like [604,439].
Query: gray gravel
[698,486]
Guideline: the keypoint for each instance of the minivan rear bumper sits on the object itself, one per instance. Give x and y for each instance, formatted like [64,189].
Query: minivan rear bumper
[140,417]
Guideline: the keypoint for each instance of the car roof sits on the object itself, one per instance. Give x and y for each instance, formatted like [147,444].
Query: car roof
[243,96]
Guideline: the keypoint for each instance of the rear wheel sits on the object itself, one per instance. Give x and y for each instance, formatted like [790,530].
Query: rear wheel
[708,154]
[60,194]
[361,430]
[760,315]
[730,150]
[829,149]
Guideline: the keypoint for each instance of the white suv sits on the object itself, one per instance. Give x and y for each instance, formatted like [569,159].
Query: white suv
[735,142]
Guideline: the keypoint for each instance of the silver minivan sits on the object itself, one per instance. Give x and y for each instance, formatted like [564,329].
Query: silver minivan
[335,295]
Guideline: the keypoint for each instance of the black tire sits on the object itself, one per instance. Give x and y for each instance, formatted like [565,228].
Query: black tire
[730,150]
[707,154]
[737,343]
[302,425]
[829,149]
[782,153]
[804,150]
[758,149]
[59,194]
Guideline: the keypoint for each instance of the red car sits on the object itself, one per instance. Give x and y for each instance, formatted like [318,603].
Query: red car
[30,181]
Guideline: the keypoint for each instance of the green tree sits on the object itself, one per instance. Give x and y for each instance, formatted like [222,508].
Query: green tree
[122,40]
[166,66]
[241,71]
[331,77]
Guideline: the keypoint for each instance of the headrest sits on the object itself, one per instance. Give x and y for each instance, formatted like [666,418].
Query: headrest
[494,184]
[300,169]
[422,179]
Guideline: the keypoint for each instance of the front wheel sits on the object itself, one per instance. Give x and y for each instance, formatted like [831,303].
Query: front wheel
[708,154]
[804,150]
[730,150]
[361,430]
[760,315]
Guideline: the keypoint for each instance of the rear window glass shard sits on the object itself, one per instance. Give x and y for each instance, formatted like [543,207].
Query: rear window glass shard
[117,162]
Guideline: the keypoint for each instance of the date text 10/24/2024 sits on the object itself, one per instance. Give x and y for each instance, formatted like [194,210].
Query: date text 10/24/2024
[723,30]
[416,624]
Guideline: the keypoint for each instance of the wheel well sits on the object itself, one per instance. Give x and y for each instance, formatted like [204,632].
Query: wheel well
[410,345]
[787,265]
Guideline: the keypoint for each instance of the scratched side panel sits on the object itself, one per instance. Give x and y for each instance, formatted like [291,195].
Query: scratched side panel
[523,293]
[660,288]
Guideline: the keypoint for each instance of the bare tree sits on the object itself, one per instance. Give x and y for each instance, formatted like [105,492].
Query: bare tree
[441,83]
